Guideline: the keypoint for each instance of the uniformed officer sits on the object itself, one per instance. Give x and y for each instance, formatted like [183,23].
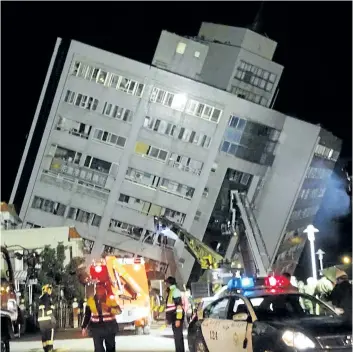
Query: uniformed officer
[100,317]
[174,313]
[46,318]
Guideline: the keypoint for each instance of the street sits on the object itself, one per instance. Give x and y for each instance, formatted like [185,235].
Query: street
[71,341]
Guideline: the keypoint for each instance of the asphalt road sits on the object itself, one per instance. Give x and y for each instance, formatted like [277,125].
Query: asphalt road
[71,341]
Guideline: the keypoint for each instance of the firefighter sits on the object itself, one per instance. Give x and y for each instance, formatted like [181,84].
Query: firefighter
[46,318]
[100,317]
[174,313]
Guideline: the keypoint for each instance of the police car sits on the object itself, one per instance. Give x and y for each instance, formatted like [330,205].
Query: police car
[268,315]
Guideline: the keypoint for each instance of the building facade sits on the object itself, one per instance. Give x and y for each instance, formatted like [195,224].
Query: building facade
[123,142]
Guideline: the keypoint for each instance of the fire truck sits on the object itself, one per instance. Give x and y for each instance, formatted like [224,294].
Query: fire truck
[11,316]
[126,281]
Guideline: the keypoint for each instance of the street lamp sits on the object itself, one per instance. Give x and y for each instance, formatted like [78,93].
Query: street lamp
[310,231]
[320,253]
[346,260]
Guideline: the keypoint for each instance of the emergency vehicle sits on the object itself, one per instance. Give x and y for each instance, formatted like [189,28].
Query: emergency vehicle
[268,314]
[126,281]
[11,316]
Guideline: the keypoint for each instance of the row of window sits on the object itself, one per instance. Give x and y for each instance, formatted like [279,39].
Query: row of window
[250,96]
[177,132]
[327,153]
[254,128]
[304,213]
[59,209]
[128,229]
[150,209]
[75,128]
[109,138]
[311,193]
[318,172]
[181,162]
[238,177]
[179,101]
[108,79]
[175,101]
[81,100]
[153,181]
[255,76]
[117,112]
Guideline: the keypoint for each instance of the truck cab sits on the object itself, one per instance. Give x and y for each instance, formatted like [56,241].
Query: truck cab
[9,309]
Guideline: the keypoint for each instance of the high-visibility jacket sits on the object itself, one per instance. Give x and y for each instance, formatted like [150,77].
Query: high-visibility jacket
[45,309]
[98,312]
[174,305]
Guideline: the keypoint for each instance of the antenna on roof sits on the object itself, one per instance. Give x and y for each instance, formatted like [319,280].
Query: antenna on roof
[257,23]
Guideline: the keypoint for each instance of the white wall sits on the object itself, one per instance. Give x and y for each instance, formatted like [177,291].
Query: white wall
[293,157]
[39,238]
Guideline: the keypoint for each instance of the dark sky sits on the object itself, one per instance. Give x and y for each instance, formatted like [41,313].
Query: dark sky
[314,45]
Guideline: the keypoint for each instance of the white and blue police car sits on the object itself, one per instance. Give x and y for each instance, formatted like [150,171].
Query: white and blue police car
[268,315]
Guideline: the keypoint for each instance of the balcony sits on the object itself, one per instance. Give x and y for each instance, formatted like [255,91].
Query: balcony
[72,184]
[181,167]
[94,177]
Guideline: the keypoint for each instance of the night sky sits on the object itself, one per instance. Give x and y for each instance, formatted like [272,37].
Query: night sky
[314,45]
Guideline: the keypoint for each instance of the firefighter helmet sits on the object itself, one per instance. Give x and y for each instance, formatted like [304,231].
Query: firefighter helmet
[47,288]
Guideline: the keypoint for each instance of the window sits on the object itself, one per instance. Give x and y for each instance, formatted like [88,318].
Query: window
[185,163]
[197,215]
[127,229]
[124,198]
[73,127]
[83,216]
[102,76]
[174,101]
[255,76]
[205,192]
[214,167]
[204,111]
[65,155]
[180,49]
[245,179]
[218,309]
[118,112]
[81,100]
[197,54]
[109,138]
[97,164]
[48,206]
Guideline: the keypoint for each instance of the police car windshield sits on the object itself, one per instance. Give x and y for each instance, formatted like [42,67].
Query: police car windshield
[288,306]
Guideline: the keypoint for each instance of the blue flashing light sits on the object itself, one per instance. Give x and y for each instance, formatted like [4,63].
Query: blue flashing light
[241,283]
[233,284]
[247,282]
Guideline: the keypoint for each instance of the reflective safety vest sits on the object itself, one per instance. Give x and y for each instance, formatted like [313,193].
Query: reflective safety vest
[45,309]
[102,312]
[174,304]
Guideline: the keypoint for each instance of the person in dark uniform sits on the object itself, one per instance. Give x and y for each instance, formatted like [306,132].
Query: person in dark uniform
[174,313]
[100,317]
[46,318]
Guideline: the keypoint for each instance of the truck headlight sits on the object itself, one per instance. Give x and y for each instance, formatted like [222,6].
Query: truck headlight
[11,305]
[297,340]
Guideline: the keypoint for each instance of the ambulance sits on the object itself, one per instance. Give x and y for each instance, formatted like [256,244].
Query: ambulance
[126,281]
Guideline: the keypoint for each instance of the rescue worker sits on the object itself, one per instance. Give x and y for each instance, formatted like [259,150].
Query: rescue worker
[341,296]
[174,313]
[100,317]
[46,318]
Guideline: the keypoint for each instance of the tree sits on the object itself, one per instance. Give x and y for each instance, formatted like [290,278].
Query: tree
[60,277]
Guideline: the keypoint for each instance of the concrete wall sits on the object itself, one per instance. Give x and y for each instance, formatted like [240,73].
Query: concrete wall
[39,238]
[293,157]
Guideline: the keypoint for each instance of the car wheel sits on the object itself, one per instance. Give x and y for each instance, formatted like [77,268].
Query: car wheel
[146,330]
[200,345]
[139,330]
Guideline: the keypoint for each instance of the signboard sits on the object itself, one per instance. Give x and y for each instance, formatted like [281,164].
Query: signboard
[223,275]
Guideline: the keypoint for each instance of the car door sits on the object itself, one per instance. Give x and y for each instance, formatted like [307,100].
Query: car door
[238,326]
[212,327]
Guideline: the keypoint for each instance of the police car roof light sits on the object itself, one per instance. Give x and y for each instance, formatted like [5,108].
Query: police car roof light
[247,282]
[276,281]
